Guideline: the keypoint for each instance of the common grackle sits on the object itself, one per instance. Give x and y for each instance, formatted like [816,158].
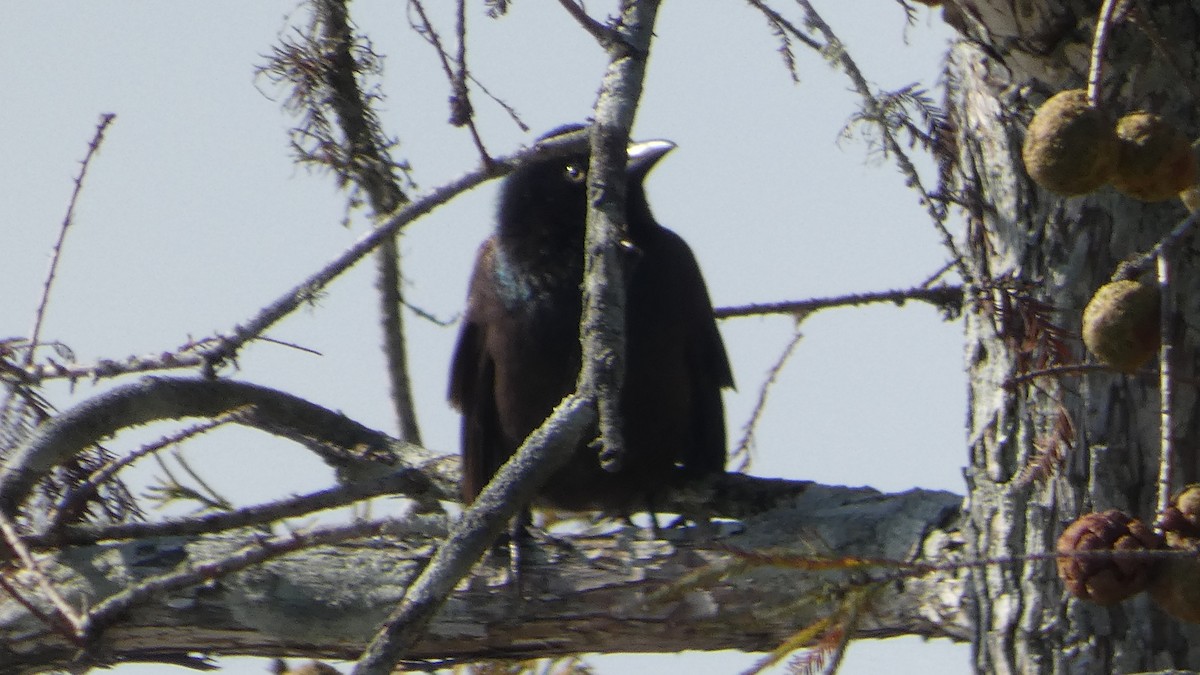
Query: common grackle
[518,352]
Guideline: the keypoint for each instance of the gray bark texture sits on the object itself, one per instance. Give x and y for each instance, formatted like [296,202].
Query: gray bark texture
[1013,57]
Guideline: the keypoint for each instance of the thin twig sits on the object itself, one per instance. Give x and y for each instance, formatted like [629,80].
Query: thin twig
[782,23]
[940,296]
[936,276]
[213,351]
[106,368]
[458,80]
[73,498]
[1099,42]
[426,31]
[20,398]
[389,280]
[1166,389]
[205,494]
[741,455]
[65,611]
[55,623]
[1055,371]
[292,345]
[229,345]
[246,516]
[1159,257]
[1141,264]
[461,112]
[837,50]
[56,253]
[464,112]
[429,316]
[603,34]
[807,638]
[511,111]
[849,623]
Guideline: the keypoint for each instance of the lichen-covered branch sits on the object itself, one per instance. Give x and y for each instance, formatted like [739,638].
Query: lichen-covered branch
[599,593]
[348,446]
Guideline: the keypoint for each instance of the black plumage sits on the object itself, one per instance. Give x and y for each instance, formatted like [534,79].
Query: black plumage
[518,352]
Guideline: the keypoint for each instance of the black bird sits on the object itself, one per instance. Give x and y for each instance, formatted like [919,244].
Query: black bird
[518,352]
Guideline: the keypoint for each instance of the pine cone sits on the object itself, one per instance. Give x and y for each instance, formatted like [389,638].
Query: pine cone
[1177,588]
[1105,580]
[1180,523]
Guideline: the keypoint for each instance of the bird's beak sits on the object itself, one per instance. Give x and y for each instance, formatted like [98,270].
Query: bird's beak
[645,154]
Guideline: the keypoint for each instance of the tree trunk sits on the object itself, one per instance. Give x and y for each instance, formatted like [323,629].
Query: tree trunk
[1059,250]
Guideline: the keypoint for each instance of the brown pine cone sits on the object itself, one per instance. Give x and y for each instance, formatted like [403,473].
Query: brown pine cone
[1177,588]
[1180,523]
[1105,580]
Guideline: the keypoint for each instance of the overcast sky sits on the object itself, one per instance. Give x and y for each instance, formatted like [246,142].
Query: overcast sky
[194,216]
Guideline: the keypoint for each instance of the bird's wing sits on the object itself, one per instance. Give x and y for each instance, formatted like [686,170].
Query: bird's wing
[706,360]
[472,382]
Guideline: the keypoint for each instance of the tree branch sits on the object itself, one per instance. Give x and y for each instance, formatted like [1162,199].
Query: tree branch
[373,171]
[947,298]
[836,51]
[307,291]
[602,327]
[401,482]
[603,34]
[349,447]
[594,594]
[510,490]
[213,351]
[56,253]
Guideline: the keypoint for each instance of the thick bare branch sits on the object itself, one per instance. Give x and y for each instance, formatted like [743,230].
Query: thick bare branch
[593,595]
[602,328]
[341,442]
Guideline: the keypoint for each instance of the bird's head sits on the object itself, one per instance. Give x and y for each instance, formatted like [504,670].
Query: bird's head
[546,200]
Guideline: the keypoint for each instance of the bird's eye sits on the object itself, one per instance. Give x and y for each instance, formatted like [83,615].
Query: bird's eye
[575,173]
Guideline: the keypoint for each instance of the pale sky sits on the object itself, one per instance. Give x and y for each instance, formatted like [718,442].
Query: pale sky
[194,216]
